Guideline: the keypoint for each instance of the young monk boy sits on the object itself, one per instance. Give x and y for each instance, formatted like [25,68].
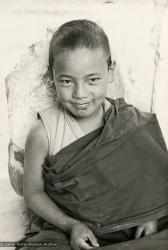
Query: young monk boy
[96,170]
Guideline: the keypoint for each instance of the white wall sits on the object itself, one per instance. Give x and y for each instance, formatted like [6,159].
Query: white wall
[160,99]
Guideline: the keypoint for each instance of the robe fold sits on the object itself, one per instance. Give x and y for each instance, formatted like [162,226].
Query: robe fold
[115,177]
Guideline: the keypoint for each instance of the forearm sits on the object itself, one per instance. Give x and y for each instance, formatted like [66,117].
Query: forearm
[43,206]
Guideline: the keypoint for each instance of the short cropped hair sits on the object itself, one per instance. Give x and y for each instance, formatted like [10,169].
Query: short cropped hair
[78,34]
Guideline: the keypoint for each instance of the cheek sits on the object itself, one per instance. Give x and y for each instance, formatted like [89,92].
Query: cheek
[63,94]
[101,91]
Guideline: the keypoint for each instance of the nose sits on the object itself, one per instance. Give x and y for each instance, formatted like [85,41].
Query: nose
[80,91]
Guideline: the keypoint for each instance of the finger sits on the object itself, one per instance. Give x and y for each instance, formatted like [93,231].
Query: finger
[139,232]
[150,231]
[93,240]
[84,245]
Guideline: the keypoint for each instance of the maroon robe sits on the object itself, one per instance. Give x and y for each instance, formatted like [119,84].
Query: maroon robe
[115,177]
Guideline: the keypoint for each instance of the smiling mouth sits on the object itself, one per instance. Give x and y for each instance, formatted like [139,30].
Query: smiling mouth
[81,105]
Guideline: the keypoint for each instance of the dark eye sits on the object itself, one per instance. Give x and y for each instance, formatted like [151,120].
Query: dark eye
[94,80]
[66,82]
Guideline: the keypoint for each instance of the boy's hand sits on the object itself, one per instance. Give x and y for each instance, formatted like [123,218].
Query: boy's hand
[81,237]
[146,228]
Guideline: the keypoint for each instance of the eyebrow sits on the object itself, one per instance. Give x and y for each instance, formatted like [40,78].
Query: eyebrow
[69,76]
[93,74]
[64,75]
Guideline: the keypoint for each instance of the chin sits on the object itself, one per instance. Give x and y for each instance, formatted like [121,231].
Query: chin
[83,113]
[80,114]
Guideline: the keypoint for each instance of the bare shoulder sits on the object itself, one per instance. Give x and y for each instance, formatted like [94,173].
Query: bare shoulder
[37,138]
[36,150]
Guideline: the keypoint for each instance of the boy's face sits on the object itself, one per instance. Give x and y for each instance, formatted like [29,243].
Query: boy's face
[81,77]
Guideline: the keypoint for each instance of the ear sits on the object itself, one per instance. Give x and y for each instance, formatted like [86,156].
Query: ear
[112,71]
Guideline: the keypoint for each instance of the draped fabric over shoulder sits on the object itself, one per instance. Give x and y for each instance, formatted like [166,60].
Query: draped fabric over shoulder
[115,177]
